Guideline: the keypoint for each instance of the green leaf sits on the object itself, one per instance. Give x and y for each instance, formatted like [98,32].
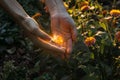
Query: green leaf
[11,50]
[103,25]
[92,56]
[36,67]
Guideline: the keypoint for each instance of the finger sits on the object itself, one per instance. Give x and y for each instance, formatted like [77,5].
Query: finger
[74,33]
[68,48]
[46,9]
[49,46]
[32,26]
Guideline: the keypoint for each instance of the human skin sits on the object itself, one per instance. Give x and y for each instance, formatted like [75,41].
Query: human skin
[14,9]
[61,23]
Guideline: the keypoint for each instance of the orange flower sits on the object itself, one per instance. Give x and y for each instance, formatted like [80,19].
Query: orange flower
[84,3]
[89,41]
[58,39]
[85,8]
[117,36]
[115,13]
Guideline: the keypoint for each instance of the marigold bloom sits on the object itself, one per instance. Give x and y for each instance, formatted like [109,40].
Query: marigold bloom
[117,36]
[85,8]
[115,13]
[89,41]
[84,3]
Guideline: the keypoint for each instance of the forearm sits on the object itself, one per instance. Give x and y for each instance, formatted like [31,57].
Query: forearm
[14,9]
[55,6]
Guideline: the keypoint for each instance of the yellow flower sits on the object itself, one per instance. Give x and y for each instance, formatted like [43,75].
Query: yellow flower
[85,8]
[115,12]
[117,36]
[89,41]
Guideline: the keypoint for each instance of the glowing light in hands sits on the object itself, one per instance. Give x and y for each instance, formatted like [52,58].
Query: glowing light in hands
[58,39]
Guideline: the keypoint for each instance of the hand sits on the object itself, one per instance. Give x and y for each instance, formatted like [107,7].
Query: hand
[29,25]
[65,27]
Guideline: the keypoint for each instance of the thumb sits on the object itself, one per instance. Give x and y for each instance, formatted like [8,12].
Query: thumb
[68,48]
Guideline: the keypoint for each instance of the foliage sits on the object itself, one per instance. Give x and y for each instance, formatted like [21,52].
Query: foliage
[20,60]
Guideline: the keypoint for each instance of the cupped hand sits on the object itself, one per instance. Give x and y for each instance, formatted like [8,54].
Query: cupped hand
[65,27]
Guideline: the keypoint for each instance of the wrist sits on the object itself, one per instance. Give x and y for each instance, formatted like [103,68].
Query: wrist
[30,24]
